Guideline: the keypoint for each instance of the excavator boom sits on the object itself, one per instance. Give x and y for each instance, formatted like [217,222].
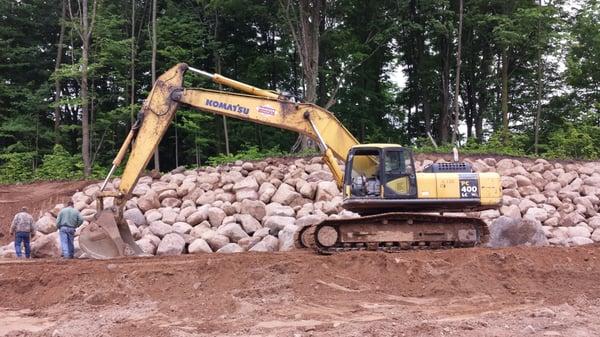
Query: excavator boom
[101,239]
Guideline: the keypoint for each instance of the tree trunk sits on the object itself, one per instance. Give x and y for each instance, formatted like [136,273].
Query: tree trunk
[132,68]
[218,71]
[85,114]
[444,120]
[305,28]
[57,89]
[504,98]
[539,92]
[156,156]
[470,105]
[458,63]
[427,114]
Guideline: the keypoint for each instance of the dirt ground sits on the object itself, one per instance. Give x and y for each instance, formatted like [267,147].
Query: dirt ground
[462,292]
[522,291]
[38,197]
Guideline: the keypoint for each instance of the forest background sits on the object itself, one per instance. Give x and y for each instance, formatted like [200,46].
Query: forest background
[518,77]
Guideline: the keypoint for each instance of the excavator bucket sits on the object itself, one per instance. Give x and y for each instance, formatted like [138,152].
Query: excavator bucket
[104,238]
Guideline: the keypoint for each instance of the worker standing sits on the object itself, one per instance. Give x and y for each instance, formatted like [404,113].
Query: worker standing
[68,220]
[23,228]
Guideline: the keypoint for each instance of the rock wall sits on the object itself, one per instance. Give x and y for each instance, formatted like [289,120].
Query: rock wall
[257,206]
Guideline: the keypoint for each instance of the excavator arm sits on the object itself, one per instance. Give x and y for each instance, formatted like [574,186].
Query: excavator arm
[109,235]
[258,106]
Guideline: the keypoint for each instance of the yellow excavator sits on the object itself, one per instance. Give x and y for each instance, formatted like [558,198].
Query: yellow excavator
[399,207]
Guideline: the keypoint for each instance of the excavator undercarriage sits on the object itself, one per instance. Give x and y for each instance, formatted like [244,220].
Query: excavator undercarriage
[393,232]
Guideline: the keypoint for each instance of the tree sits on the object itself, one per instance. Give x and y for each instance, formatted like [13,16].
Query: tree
[304,18]
[84,25]
[457,76]
[59,54]
[583,65]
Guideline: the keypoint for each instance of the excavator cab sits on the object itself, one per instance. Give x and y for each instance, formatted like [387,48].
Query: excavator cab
[381,171]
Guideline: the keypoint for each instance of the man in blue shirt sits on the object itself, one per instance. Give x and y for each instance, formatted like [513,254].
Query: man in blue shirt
[68,220]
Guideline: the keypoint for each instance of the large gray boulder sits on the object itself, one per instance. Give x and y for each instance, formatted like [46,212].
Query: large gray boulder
[311,219]
[146,245]
[277,223]
[286,237]
[255,208]
[171,244]
[216,216]
[268,244]
[246,194]
[160,229]
[153,215]
[181,228]
[511,211]
[276,208]
[285,195]
[266,192]
[199,229]
[199,246]
[198,216]
[148,201]
[248,183]
[249,242]
[46,246]
[136,216]
[249,224]
[506,232]
[214,240]
[169,215]
[233,231]
[46,224]
[231,248]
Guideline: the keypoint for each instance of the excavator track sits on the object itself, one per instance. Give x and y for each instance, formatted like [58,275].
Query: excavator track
[392,232]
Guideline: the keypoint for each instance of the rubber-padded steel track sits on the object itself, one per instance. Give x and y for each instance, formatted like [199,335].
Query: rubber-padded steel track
[394,231]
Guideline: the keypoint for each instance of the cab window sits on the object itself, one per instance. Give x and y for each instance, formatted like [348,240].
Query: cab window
[397,163]
[365,173]
[398,173]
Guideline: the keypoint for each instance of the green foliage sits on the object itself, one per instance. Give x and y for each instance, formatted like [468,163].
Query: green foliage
[580,142]
[362,47]
[16,167]
[60,165]
[253,153]
[515,145]
[249,153]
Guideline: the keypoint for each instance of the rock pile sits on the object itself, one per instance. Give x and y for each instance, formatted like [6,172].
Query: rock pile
[245,206]
[257,206]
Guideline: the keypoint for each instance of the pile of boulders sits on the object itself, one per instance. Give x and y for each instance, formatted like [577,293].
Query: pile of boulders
[244,206]
[561,197]
[258,206]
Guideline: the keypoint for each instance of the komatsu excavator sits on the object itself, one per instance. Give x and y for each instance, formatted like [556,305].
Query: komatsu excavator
[379,182]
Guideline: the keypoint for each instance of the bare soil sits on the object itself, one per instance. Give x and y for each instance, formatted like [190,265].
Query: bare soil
[462,292]
[37,197]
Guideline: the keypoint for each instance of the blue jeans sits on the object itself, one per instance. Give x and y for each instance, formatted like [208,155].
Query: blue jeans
[66,241]
[22,237]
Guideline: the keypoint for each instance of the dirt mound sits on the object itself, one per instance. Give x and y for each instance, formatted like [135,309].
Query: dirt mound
[38,197]
[468,292]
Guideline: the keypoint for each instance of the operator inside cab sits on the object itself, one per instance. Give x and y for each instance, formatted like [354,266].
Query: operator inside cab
[368,176]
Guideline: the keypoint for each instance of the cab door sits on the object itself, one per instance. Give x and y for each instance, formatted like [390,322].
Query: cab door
[398,174]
